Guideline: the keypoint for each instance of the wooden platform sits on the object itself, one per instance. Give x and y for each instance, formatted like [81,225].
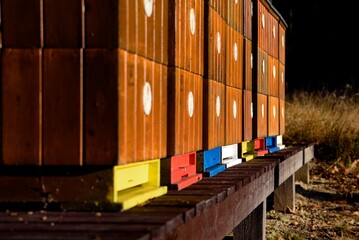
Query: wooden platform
[208,209]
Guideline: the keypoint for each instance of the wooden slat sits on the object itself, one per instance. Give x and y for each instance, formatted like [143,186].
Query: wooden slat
[186,47]
[261,117]
[247,28]
[273,76]
[62,106]
[235,14]
[64,23]
[247,115]
[281,80]
[184,132]
[248,64]
[234,116]
[22,23]
[101,106]
[281,116]
[234,58]
[215,46]
[282,44]
[262,72]
[273,116]
[21,106]
[214,114]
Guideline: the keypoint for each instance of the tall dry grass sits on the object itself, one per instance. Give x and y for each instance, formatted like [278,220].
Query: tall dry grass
[328,118]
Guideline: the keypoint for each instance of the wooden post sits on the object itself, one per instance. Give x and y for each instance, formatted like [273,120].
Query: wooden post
[253,226]
[284,195]
[303,174]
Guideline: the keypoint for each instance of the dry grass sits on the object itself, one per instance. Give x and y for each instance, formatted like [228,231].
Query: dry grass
[327,118]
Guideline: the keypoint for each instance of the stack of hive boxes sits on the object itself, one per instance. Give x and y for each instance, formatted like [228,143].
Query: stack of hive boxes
[161,92]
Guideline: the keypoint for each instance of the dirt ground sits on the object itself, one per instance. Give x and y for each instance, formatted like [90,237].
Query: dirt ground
[326,208]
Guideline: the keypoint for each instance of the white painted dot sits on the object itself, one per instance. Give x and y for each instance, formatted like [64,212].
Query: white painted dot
[274,112]
[274,31]
[147,98]
[234,109]
[235,52]
[251,110]
[263,20]
[236,1]
[148,5]
[192,21]
[218,106]
[263,66]
[251,60]
[262,110]
[218,42]
[274,71]
[190,104]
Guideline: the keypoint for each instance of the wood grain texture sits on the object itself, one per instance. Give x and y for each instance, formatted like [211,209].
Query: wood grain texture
[220,6]
[235,15]
[234,58]
[262,71]
[248,64]
[142,128]
[273,36]
[101,104]
[262,20]
[282,44]
[261,116]
[247,16]
[273,116]
[247,115]
[273,77]
[282,116]
[213,114]
[234,116]
[184,133]
[62,107]
[215,46]
[64,23]
[21,106]
[186,48]
[282,82]
[22,23]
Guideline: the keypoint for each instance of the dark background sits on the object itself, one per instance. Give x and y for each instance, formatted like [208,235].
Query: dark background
[322,44]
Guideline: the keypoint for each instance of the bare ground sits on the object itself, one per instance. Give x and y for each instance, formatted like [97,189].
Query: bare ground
[326,208]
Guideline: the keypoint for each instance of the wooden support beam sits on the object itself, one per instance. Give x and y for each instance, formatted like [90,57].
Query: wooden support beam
[284,195]
[253,226]
[303,174]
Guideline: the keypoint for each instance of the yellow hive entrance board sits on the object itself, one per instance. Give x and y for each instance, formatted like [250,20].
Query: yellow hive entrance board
[136,183]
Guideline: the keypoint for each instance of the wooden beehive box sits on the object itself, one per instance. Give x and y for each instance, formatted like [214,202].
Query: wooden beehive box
[273,76]
[235,14]
[248,114]
[126,107]
[213,114]
[273,116]
[234,58]
[234,116]
[186,35]
[136,26]
[247,18]
[215,46]
[248,64]
[261,116]
[185,112]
